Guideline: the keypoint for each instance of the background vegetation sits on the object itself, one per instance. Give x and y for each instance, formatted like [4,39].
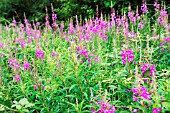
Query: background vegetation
[65,9]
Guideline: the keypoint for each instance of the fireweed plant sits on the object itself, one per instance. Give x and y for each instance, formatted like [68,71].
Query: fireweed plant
[120,64]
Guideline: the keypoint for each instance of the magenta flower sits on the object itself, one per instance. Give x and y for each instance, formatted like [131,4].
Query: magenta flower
[132,17]
[156,5]
[152,70]
[137,16]
[127,55]
[22,45]
[135,110]
[144,8]
[145,95]
[131,35]
[83,51]
[167,39]
[13,63]
[103,24]
[135,91]
[17,78]
[94,30]
[81,37]
[135,98]
[26,66]
[1,45]
[96,59]
[130,55]
[141,25]
[62,26]
[105,38]
[123,57]
[54,54]
[101,34]
[78,48]
[145,67]
[35,87]
[54,16]
[156,110]
[87,37]
[14,21]
[163,14]
[140,91]
[25,21]
[71,28]
[38,23]
[39,54]
[118,21]
[154,37]
[92,110]
[105,107]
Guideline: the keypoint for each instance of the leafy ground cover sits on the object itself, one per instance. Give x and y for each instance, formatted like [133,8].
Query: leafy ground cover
[118,64]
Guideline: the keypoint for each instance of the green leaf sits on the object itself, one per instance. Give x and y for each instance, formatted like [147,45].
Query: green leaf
[15,102]
[23,101]
[166,105]
[2,108]
[29,105]
[74,85]
[25,110]
[74,105]
[112,86]
[140,107]
[18,106]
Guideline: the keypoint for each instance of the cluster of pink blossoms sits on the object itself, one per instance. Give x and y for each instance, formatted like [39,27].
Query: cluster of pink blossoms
[83,52]
[140,91]
[167,39]
[13,63]
[156,5]
[127,54]
[54,54]
[162,16]
[26,65]
[156,110]
[144,8]
[105,107]
[1,45]
[150,67]
[39,54]
[17,78]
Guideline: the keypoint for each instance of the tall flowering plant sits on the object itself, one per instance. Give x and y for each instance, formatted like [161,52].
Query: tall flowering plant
[127,56]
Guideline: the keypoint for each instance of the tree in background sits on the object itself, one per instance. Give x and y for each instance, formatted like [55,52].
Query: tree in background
[65,9]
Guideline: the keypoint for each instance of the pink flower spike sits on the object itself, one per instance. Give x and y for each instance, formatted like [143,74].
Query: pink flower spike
[96,59]
[92,110]
[135,98]
[26,66]
[144,8]
[39,54]
[54,54]
[17,78]
[156,110]
[167,39]
[156,5]
[35,87]
[1,45]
